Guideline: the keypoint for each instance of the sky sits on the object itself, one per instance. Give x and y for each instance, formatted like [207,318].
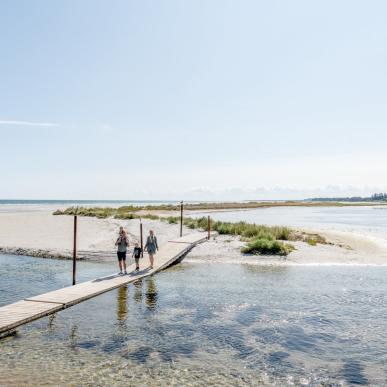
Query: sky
[199,99]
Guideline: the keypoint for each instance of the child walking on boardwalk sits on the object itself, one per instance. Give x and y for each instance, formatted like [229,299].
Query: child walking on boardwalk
[122,244]
[137,255]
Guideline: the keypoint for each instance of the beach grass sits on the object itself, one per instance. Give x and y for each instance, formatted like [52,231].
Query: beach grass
[260,239]
[262,246]
[97,212]
[104,212]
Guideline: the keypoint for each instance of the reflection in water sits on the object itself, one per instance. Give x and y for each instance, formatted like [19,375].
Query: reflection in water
[122,307]
[73,336]
[138,291]
[151,294]
[214,325]
[353,372]
[51,321]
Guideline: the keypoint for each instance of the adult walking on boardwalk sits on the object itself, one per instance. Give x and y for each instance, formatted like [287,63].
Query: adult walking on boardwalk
[122,244]
[151,246]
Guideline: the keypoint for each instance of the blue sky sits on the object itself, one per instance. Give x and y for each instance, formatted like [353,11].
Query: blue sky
[192,99]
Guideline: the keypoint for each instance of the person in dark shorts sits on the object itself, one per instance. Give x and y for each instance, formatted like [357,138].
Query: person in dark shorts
[137,255]
[122,244]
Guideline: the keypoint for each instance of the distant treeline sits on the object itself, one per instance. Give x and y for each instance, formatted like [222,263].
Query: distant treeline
[377,197]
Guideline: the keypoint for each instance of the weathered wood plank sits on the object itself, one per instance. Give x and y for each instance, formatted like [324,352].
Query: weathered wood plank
[22,312]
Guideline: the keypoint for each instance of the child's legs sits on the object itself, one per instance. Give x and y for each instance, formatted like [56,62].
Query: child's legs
[137,262]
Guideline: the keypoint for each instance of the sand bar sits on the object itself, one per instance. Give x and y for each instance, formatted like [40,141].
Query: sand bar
[39,233]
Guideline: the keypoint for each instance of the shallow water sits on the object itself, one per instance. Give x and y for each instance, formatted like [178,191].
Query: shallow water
[371,221]
[22,277]
[197,324]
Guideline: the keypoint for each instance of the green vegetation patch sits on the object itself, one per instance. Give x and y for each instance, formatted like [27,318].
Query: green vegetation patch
[105,212]
[96,212]
[260,239]
[262,246]
[121,211]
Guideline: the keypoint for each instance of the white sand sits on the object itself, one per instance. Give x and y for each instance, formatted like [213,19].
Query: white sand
[346,249]
[39,233]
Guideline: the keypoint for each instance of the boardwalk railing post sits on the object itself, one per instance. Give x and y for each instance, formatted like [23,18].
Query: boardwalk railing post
[141,240]
[209,227]
[75,250]
[181,219]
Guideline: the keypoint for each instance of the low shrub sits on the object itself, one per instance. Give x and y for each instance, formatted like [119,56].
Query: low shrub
[149,216]
[266,247]
[126,216]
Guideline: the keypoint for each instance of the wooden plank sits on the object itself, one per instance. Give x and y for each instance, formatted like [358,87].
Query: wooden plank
[33,308]
[22,312]
[75,294]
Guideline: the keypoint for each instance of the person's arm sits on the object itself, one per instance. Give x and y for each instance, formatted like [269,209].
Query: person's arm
[157,246]
[146,244]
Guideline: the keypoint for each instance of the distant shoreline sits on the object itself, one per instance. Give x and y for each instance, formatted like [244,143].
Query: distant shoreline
[196,204]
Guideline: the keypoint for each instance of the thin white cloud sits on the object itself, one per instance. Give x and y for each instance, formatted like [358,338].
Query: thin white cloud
[26,123]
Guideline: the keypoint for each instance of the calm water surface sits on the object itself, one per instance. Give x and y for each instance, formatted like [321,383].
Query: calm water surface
[196,324]
[371,221]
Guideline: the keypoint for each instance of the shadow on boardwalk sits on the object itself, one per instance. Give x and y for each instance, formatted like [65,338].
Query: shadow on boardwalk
[132,274]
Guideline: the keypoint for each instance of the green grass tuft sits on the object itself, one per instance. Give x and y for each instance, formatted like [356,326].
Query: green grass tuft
[311,242]
[265,247]
[126,216]
[171,219]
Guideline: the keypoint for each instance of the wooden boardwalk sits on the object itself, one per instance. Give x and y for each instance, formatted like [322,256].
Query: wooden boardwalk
[33,308]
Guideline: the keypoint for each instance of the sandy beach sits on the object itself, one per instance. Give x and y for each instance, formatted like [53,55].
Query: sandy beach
[39,233]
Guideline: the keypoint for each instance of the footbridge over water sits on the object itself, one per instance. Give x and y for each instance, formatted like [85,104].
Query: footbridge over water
[33,308]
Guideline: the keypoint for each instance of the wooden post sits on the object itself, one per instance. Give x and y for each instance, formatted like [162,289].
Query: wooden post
[181,219]
[141,240]
[209,227]
[75,250]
